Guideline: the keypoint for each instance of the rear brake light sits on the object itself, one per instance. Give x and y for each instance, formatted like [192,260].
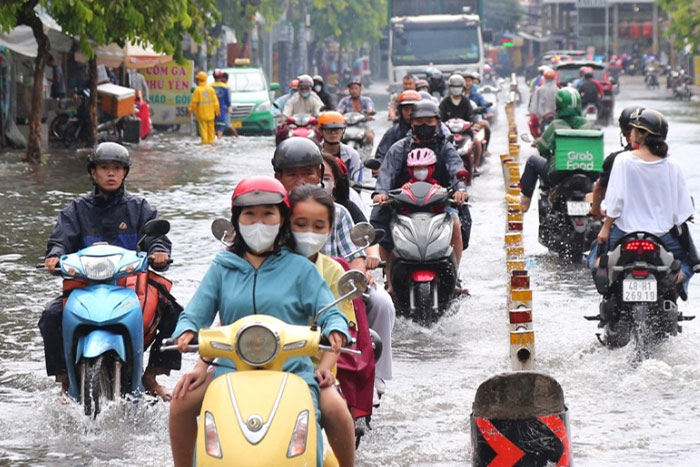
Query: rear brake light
[640,246]
[640,273]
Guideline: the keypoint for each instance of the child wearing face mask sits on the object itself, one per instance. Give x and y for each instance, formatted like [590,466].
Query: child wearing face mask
[312,215]
[421,165]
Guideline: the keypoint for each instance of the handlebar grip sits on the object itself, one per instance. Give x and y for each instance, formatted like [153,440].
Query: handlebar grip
[328,348]
[189,348]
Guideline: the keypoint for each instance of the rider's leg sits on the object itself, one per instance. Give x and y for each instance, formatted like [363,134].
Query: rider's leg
[456,241]
[535,167]
[160,363]
[339,426]
[369,136]
[380,219]
[183,424]
[381,315]
[51,327]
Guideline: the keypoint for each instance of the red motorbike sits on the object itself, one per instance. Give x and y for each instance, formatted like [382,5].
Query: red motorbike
[301,125]
[463,133]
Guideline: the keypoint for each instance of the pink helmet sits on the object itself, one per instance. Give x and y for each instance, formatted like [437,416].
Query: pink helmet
[421,157]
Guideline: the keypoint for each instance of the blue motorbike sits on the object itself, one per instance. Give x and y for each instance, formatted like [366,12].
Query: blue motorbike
[103,330]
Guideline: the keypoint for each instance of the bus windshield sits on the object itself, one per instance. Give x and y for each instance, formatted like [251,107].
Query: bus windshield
[453,43]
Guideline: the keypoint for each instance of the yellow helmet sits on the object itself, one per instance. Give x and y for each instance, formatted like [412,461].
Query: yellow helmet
[201,76]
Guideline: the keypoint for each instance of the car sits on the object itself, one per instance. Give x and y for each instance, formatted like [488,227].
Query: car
[251,98]
[568,72]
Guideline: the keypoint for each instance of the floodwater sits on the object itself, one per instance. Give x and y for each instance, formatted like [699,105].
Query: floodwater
[618,414]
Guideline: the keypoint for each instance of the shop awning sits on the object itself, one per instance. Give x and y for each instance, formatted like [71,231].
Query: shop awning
[132,55]
[21,39]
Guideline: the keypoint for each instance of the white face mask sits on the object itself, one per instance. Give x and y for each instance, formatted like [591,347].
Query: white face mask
[328,185]
[309,243]
[318,88]
[259,237]
[456,90]
[420,174]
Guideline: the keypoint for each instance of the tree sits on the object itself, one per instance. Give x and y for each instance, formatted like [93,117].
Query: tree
[161,23]
[685,22]
[15,13]
[351,22]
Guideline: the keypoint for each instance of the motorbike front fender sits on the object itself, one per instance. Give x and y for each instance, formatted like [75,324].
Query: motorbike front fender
[98,342]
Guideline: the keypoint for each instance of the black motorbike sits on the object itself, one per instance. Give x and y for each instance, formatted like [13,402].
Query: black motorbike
[637,280]
[74,129]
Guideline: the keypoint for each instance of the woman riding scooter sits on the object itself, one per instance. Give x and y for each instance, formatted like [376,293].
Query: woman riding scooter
[258,274]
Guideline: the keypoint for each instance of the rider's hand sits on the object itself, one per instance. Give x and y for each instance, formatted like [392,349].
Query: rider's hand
[380,198]
[159,258]
[461,197]
[51,263]
[604,234]
[372,261]
[184,340]
[370,278]
[337,340]
[596,213]
[191,380]
[324,377]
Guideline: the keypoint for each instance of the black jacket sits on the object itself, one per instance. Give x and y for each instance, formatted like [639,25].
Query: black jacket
[448,110]
[398,131]
[93,218]
[327,100]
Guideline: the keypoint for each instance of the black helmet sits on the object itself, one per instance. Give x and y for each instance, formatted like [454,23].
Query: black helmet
[425,108]
[436,75]
[296,152]
[109,152]
[627,115]
[318,79]
[651,121]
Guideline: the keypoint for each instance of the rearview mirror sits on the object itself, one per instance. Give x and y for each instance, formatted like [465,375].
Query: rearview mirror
[274,86]
[526,138]
[373,164]
[156,227]
[223,231]
[352,284]
[362,234]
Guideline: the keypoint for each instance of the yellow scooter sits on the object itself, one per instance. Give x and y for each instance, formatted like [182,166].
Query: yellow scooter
[260,415]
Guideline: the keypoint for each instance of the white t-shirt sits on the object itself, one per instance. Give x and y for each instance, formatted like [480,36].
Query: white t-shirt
[647,196]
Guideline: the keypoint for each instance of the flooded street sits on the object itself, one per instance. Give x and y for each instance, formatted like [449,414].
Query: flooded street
[619,415]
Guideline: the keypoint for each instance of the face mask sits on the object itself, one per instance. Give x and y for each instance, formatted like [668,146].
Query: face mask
[329,185]
[259,237]
[420,174]
[305,94]
[424,132]
[318,88]
[309,243]
[456,90]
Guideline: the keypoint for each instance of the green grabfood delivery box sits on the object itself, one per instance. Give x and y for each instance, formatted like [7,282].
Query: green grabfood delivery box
[577,150]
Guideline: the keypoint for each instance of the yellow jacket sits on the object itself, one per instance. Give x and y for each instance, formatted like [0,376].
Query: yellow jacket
[204,103]
[331,271]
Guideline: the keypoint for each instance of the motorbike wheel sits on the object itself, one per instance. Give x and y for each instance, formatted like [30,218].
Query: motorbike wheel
[617,334]
[424,303]
[58,126]
[71,134]
[97,382]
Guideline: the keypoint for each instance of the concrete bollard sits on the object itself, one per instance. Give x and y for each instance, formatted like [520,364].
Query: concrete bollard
[519,297]
[514,239]
[520,419]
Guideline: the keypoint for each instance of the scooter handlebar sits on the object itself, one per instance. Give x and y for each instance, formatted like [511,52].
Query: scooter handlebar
[328,348]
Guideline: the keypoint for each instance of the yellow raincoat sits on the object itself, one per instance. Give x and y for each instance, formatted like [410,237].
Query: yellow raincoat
[205,106]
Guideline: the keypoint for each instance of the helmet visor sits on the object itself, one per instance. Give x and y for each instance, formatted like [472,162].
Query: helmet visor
[258,197]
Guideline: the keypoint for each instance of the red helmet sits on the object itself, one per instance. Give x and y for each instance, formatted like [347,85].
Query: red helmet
[549,74]
[294,83]
[257,190]
[218,73]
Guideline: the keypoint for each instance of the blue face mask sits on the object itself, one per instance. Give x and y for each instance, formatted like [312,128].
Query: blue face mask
[305,94]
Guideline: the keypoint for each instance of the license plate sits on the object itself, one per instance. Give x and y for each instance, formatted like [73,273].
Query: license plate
[577,208]
[237,124]
[639,290]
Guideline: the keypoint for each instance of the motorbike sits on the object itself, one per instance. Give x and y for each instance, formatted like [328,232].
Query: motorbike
[423,268]
[73,129]
[590,113]
[681,90]
[637,280]
[103,321]
[490,94]
[565,225]
[464,138]
[354,135]
[260,414]
[301,125]
[651,80]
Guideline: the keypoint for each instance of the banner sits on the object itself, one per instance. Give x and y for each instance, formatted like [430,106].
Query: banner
[169,88]
[696,63]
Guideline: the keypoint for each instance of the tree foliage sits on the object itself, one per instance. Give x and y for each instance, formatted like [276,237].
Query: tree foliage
[351,22]
[239,15]
[685,22]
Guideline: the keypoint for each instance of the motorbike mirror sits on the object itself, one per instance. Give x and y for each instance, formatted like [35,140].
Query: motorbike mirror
[526,138]
[462,175]
[362,234]
[373,164]
[156,227]
[223,231]
[351,285]
[480,110]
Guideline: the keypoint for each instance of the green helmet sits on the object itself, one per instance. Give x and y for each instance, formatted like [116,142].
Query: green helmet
[568,102]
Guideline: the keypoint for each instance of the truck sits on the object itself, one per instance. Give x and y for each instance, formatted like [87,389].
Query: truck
[445,34]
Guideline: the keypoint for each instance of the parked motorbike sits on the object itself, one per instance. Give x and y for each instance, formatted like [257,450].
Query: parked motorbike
[423,268]
[74,129]
[354,135]
[637,279]
[103,321]
[681,90]
[260,414]
[301,125]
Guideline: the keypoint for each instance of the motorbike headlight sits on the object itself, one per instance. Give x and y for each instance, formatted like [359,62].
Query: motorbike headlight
[264,107]
[257,344]
[437,246]
[99,268]
[401,242]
